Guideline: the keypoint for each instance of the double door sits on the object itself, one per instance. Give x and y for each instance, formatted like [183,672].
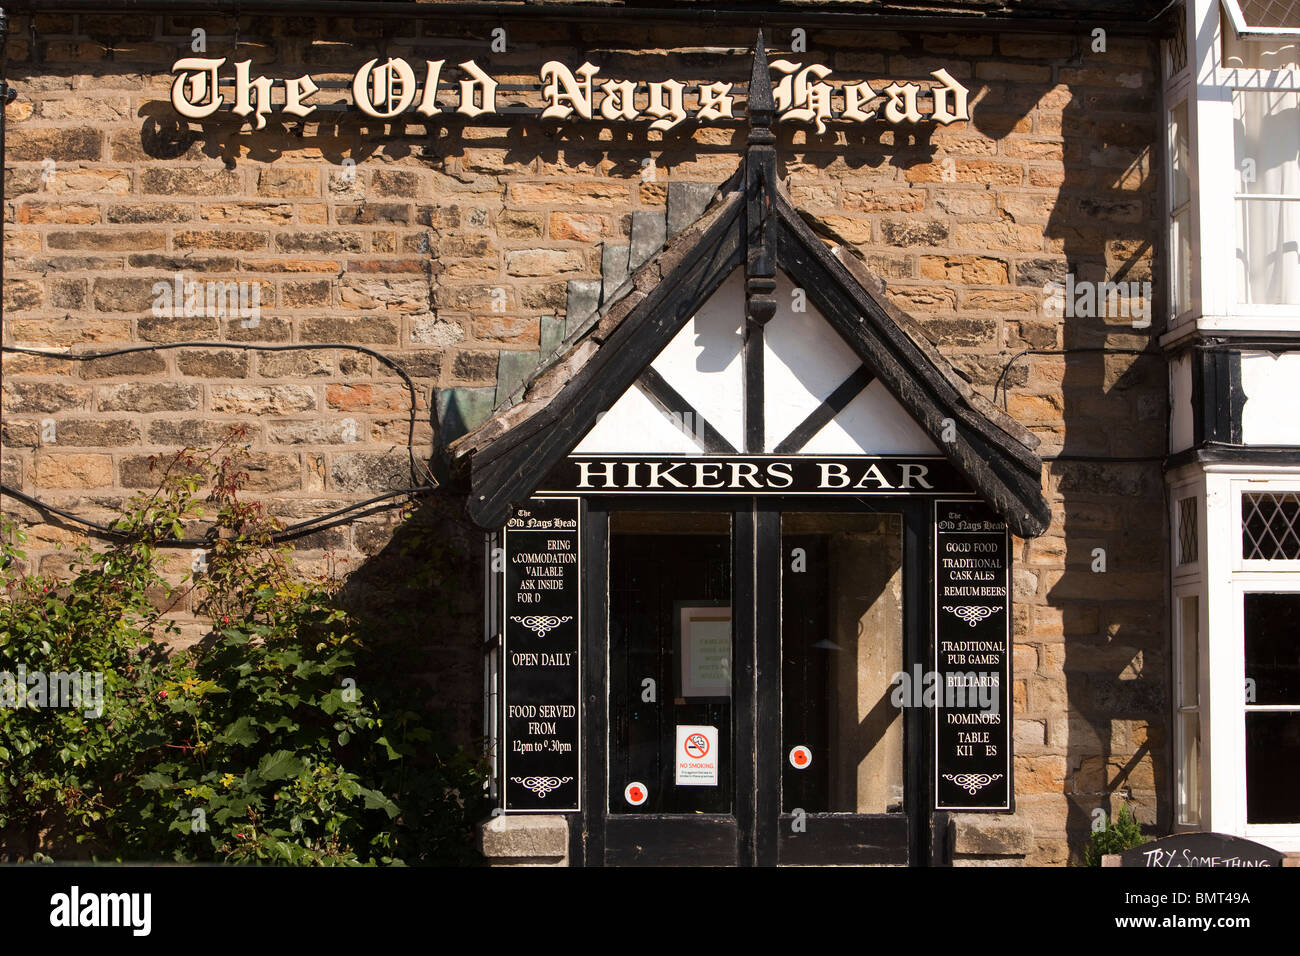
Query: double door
[740,692]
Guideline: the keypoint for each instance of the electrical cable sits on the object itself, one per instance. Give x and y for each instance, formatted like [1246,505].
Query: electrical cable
[298,529]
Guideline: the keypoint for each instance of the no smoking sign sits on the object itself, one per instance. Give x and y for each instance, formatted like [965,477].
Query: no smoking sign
[697,756]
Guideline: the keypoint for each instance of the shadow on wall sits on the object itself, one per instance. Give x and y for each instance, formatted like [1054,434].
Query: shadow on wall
[1091,591]
[418,601]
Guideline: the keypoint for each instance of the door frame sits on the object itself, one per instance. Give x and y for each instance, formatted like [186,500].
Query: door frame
[756,832]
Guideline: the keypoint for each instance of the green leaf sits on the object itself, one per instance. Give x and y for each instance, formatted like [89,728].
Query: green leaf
[281,765]
[154,781]
[241,732]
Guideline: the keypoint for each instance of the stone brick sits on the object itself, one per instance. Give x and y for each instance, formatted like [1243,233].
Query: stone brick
[276,180]
[910,232]
[436,331]
[972,270]
[39,213]
[272,472]
[198,433]
[393,295]
[365,397]
[190,181]
[363,471]
[19,433]
[475,366]
[43,396]
[136,213]
[998,235]
[125,294]
[299,295]
[97,432]
[340,431]
[325,240]
[220,239]
[568,194]
[583,227]
[543,262]
[151,397]
[72,471]
[61,144]
[132,364]
[515,330]
[21,295]
[395,182]
[275,213]
[870,199]
[960,332]
[307,363]
[106,241]
[372,213]
[367,331]
[852,230]
[146,471]
[212,363]
[261,399]
[177,329]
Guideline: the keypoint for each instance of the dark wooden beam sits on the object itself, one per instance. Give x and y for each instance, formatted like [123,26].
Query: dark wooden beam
[676,408]
[821,416]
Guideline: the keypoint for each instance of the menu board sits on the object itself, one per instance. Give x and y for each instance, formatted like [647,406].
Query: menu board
[972,658]
[540,658]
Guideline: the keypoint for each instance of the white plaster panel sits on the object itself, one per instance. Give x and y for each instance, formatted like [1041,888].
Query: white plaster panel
[1270,416]
[636,425]
[703,361]
[804,360]
[874,424]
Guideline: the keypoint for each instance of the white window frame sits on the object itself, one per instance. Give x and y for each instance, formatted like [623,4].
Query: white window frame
[1260,485]
[1225,581]
[1232,659]
[1214,305]
[1188,580]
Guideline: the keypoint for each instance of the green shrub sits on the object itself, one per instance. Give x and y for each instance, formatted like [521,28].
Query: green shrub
[1122,834]
[264,742]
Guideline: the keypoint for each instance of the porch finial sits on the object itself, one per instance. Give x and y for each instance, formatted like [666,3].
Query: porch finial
[760,107]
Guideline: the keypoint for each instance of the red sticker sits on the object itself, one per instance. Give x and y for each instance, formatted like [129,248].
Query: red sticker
[800,757]
[636,793]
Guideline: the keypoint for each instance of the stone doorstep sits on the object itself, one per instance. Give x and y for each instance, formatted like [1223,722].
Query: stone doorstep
[540,839]
[988,837]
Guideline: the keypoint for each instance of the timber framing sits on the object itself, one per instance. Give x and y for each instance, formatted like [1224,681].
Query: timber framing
[753,225]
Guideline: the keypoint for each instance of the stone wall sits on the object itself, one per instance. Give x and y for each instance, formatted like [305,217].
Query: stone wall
[448,250]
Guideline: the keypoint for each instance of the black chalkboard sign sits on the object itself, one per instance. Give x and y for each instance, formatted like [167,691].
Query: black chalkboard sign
[1201,849]
[540,658]
[968,688]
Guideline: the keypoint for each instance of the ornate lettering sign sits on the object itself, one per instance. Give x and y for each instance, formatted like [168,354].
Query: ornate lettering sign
[388,89]
[541,766]
[972,658]
[755,475]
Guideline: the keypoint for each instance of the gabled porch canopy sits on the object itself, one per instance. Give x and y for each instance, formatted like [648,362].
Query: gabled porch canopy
[751,223]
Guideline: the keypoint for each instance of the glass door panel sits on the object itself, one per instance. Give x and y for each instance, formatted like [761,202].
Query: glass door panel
[670,655]
[841,645]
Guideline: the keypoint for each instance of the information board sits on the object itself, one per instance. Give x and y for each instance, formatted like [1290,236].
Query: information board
[972,658]
[541,667]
